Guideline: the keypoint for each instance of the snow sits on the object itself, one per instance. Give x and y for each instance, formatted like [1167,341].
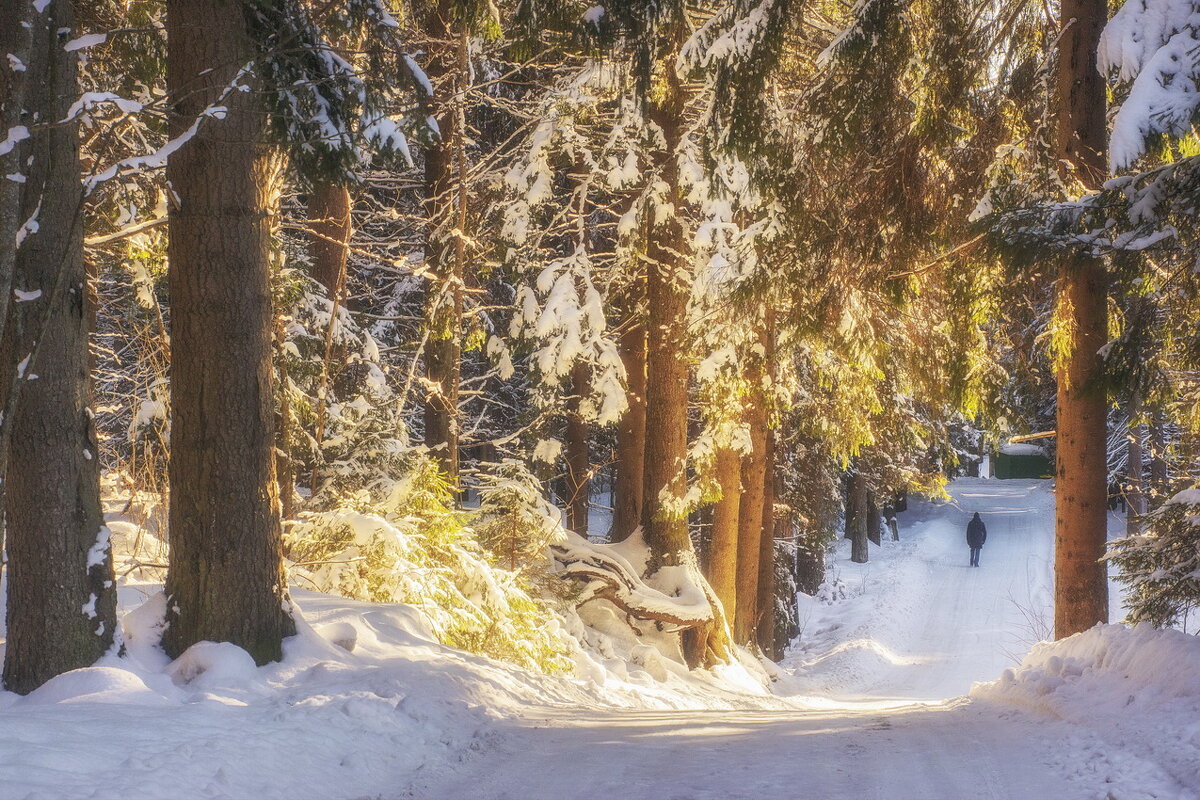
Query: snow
[871,702]
[1154,45]
[1021,449]
[1136,689]
[90,40]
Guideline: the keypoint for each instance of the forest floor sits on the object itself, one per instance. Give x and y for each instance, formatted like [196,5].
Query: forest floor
[877,699]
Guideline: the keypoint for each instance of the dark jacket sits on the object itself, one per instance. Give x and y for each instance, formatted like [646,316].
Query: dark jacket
[976,532]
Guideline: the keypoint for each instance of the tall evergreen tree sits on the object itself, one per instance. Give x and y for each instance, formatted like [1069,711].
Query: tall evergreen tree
[226,579]
[61,592]
[1081,496]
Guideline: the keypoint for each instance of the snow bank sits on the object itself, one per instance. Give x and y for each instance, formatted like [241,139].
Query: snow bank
[365,703]
[1136,688]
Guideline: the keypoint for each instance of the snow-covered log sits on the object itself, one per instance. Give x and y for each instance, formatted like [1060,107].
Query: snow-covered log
[681,602]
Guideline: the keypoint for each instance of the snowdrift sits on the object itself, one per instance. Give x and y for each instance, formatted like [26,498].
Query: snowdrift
[365,703]
[1136,688]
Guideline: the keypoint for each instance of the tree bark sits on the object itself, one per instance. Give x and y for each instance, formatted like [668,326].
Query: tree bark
[61,593]
[445,204]
[766,555]
[856,522]
[664,477]
[874,523]
[1159,475]
[226,580]
[722,558]
[1135,484]
[330,224]
[579,465]
[750,515]
[1081,583]
[631,432]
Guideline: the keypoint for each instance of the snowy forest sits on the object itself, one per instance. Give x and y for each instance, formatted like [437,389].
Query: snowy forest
[542,399]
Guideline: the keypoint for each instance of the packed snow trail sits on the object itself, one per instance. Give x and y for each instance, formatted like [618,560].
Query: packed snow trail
[875,685]
[930,625]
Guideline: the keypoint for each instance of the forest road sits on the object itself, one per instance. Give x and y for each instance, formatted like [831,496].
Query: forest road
[895,729]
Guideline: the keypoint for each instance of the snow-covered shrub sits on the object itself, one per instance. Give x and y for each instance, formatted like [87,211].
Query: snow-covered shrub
[405,543]
[516,522]
[1161,565]
[339,416]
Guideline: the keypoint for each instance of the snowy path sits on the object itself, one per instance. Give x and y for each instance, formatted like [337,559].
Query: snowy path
[875,710]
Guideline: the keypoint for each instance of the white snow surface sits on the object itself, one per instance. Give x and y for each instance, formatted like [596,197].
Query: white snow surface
[869,703]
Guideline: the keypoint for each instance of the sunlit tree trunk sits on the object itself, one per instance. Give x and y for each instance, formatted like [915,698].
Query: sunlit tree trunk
[226,580]
[750,515]
[722,558]
[664,477]
[61,609]
[1081,491]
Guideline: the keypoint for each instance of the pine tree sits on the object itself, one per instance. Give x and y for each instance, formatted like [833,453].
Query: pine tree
[226,580]
[1081,496]
[61,592]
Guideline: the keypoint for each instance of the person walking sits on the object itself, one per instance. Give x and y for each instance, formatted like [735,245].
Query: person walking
[976,536]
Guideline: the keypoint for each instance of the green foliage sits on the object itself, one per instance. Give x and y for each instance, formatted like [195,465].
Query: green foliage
[1161,565]
[407,543]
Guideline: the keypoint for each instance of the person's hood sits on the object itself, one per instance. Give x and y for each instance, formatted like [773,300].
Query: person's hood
[976,516]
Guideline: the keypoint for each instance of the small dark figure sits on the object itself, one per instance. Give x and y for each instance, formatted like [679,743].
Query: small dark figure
[976,536]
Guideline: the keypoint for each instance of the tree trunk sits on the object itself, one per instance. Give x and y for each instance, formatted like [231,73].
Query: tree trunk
[893,525]
[631,432]
[856,518]
[722,558]
[226,580]
[62,598]
[874,523]
[1081,584]
[664,477]
[16,42]
[330,223]
[1135,489]
[750,515]
[1159,475]
[445,204]
[579,465]
[330,226]
[810,563]
[766,555]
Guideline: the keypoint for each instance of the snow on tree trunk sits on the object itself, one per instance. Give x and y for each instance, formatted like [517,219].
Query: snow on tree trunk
[61,592]
[226,580]
[1081,585]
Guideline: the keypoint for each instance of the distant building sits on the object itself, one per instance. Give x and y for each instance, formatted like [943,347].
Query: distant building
[1022,460]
